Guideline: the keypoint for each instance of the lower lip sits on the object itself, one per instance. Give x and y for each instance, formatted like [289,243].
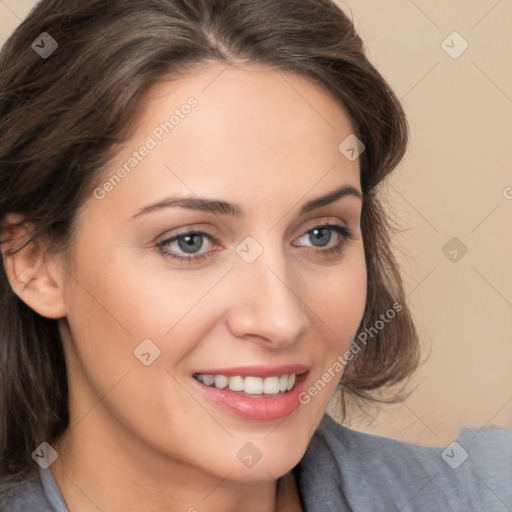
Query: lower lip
[259,408]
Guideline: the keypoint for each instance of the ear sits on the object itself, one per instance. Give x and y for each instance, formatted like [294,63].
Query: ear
[35,274]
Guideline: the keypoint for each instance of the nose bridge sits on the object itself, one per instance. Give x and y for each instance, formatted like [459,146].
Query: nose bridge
[270,306]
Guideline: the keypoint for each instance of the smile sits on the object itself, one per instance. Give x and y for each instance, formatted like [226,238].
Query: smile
[253,393]
[250,385]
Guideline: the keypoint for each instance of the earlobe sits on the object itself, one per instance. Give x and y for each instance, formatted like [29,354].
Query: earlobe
[35,274]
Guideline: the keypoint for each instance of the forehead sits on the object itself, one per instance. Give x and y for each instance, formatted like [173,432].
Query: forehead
[247,102]
[225,130]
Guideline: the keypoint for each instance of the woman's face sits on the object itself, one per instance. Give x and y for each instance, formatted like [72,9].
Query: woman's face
[158,294]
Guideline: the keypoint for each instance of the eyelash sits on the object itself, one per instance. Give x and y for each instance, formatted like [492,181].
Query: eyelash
[346,235]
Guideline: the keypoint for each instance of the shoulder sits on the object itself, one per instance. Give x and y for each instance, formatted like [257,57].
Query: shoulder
[367,472]
[23,496]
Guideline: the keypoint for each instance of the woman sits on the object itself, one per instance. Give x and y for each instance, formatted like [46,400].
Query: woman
[194,254]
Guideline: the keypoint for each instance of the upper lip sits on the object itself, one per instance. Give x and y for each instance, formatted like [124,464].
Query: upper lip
[256,371]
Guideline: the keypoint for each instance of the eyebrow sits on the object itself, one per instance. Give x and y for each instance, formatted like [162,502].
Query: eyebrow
[220,207]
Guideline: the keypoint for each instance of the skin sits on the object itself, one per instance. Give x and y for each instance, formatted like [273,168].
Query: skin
[142,437]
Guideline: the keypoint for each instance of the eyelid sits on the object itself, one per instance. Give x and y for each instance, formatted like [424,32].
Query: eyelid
[186,230]
[322,222]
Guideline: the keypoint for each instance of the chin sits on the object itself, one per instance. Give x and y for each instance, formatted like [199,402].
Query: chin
[261,461]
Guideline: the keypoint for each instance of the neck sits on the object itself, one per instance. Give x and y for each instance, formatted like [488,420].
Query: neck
[95,470]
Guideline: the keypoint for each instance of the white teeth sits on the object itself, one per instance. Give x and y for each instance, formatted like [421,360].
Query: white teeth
[250,385]
[221,381]
[253,385]
[236,383]
[271,385]
[208,379]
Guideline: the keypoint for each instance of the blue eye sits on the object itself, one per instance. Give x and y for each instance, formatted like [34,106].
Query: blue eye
[187,242]
[324,234]
[190,242]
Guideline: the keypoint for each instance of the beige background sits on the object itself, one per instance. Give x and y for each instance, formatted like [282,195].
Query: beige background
[452,183]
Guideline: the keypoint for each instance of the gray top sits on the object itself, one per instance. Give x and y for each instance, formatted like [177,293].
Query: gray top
[344,470]
[348,471]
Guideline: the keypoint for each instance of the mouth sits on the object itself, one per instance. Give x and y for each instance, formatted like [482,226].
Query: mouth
[256,393]
[251,386]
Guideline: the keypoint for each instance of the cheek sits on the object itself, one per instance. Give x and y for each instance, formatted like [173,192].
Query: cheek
[125,303]
[339,305]
[340,301]
[114,310]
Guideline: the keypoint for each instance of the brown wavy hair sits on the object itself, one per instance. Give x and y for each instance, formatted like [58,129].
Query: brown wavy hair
[61,117]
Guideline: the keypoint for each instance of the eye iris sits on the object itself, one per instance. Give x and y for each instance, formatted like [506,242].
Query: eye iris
[324,237]
[190,243]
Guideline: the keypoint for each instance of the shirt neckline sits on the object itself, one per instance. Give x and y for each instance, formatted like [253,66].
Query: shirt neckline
[51,490]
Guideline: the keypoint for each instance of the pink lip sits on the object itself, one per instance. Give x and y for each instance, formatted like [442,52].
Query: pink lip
[260,407]
[257,371]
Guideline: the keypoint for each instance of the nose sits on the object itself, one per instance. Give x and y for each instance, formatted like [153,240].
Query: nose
[267,307]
